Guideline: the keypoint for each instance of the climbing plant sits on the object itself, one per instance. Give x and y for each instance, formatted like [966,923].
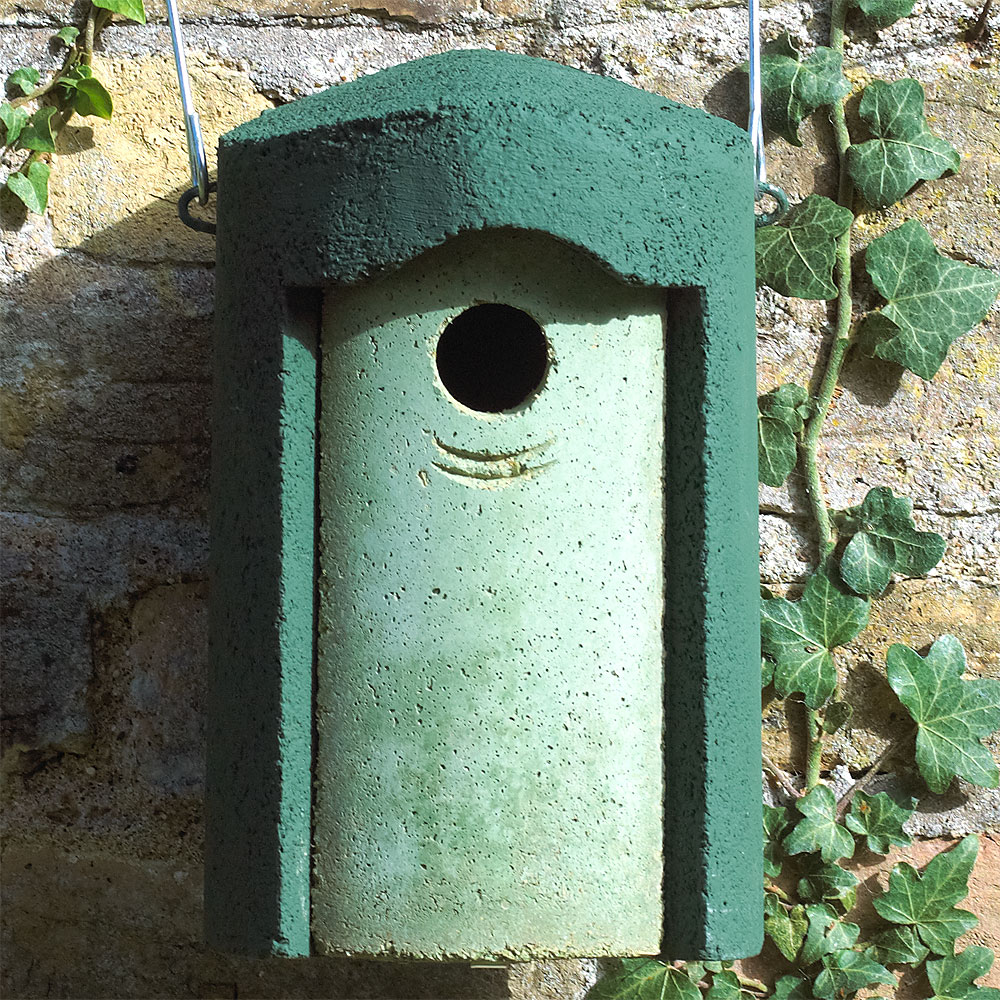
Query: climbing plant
[73,89]
[925,302]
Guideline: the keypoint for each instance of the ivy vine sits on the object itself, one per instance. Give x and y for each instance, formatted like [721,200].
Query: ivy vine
[30,136]
[928,300]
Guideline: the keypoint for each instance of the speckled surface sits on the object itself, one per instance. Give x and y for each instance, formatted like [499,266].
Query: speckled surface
[489,769]
[383,170]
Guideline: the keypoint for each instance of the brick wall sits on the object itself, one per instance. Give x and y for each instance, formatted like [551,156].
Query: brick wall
[107,308]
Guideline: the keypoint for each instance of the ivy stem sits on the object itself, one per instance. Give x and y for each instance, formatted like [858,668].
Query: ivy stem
[839,346]
[845,800]
[89,33]
[814,722]
[79,53]
[842,323]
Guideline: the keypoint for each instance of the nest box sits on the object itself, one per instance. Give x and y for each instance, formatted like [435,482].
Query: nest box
[484,632]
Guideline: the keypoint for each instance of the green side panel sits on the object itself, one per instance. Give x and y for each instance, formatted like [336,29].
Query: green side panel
[258,767]
[347,186]
[489,763]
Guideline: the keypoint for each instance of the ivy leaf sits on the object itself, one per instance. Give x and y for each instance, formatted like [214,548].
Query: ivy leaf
[846,971]
[91,98]
[793,87]
[766,672]
[899,945]
[881,13]
[952,977]
[827,933]
[800,635]
[776,825]
[37,134]
[827,883]
[932,299]
[836,714]
[792,988]
[72,77]
[903,149]
[796,256]
[67,35]
[14,119]
[644,979]
[886,541]
[819,830]
[132,9]
[879,820]
[32,188]
[924,902]
[785,927]
[24,78]
[952,715]
[781,414]
[725,986]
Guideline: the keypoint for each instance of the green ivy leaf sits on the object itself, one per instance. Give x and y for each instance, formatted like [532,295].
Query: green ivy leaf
[952,715]
[796,256]
[899,945]
[881,13]
[932,300]
[37,134]
[879,820]
[67,35]
[644,979]
[70,79]
[835,715]
[846,971]
[14,119]
[694,971]
[826,883]
[800,635]
[903,149]
[725,986]
[785,927]
[925,902]
[827,933]
[886,541]
[781,414]
[91,98]
[24,79]
[132,9]
[32,188]
[818,830]
[792,988]
[793,87]
[766,672]
[952,978]
[776,825]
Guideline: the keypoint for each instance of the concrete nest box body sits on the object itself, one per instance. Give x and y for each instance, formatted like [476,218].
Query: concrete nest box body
[484,636]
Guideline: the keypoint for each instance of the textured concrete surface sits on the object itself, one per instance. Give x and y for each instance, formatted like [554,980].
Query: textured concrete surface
[473,721]
[105,450]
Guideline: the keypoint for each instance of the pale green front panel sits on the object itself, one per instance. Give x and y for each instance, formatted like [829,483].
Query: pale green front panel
[489,767]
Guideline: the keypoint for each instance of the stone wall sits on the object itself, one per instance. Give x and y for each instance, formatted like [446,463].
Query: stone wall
[106,319]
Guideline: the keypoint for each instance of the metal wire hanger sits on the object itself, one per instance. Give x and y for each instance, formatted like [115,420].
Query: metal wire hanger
[756,126]
[201,188]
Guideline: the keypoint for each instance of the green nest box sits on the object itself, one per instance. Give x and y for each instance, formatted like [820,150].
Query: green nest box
[484,618]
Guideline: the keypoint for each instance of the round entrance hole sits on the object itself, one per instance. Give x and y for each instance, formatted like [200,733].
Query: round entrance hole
[492,357]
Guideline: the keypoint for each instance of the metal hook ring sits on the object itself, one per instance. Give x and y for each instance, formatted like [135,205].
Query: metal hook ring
[770,218]
[183,212]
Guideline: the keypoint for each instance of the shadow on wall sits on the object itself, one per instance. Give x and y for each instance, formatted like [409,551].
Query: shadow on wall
[105,464]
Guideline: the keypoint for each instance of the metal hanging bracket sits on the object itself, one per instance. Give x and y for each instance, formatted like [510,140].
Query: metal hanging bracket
[200,186]
[761,186]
